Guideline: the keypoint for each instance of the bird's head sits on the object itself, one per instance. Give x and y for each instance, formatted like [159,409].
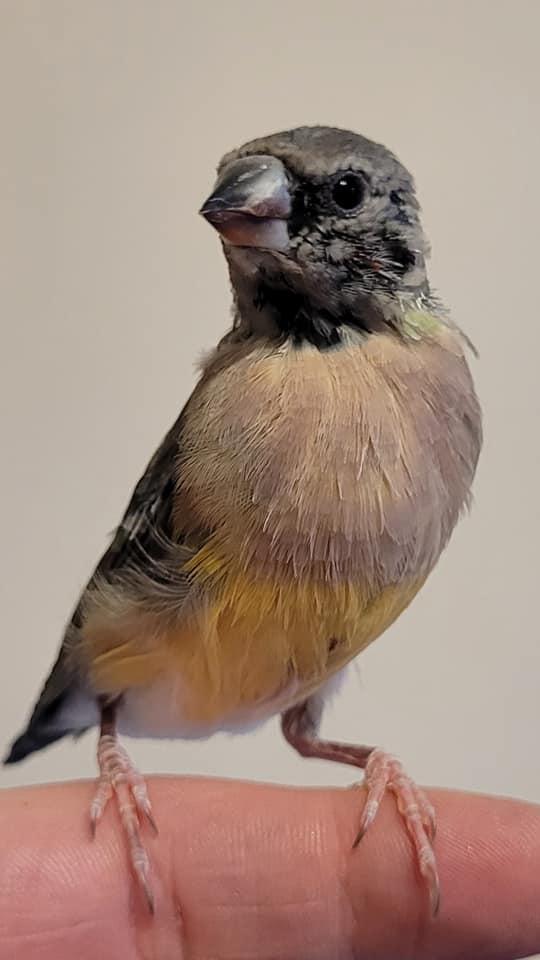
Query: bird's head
[321,230]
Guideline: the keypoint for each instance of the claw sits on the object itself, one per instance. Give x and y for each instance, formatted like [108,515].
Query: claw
[149,896]
[118,776]
[384,772]
[142,802]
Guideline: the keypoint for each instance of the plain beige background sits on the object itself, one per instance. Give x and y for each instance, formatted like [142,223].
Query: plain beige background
[114,115]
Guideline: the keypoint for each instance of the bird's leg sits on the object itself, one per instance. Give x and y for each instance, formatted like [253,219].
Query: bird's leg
[118,776]
[382,772]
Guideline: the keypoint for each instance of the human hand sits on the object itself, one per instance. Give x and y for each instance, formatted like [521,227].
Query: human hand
[252,871]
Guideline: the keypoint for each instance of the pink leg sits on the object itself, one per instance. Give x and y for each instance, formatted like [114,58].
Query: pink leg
[382,773]
[118,776]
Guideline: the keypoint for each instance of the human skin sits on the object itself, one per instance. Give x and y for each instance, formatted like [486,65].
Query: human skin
[245,871]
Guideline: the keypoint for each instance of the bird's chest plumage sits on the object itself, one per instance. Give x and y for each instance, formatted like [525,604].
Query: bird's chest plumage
[345,465]
[327,485]
[318,490]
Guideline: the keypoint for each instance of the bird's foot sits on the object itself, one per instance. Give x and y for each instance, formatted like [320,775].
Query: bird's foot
[383,772]
[119,777]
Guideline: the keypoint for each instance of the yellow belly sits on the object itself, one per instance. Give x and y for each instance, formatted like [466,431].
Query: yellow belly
[254,642]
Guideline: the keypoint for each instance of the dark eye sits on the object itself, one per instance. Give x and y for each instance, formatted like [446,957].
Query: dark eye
[348,191]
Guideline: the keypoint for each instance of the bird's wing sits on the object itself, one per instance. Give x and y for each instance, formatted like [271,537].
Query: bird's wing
[145,531]
[147,524]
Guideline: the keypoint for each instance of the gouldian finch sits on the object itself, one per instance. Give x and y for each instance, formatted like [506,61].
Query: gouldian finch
[301,498]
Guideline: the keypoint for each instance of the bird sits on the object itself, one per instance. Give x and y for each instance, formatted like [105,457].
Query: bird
[301,498]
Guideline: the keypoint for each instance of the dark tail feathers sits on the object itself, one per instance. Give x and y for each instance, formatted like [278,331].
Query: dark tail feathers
[30,741]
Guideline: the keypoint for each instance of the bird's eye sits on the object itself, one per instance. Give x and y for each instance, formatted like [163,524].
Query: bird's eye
[348,191]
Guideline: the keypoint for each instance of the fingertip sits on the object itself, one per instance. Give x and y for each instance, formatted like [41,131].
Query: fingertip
[247,864]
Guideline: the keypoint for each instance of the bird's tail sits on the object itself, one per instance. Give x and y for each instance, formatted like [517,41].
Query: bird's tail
[45,724]
[31,740]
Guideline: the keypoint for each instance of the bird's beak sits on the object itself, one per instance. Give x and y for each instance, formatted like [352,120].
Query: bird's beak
[250,203]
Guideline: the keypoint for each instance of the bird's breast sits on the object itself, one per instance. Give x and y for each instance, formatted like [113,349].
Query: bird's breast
[347,464]
[317,491]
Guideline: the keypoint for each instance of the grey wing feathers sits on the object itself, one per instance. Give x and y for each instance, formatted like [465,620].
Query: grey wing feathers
[147,522]
[141,538]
